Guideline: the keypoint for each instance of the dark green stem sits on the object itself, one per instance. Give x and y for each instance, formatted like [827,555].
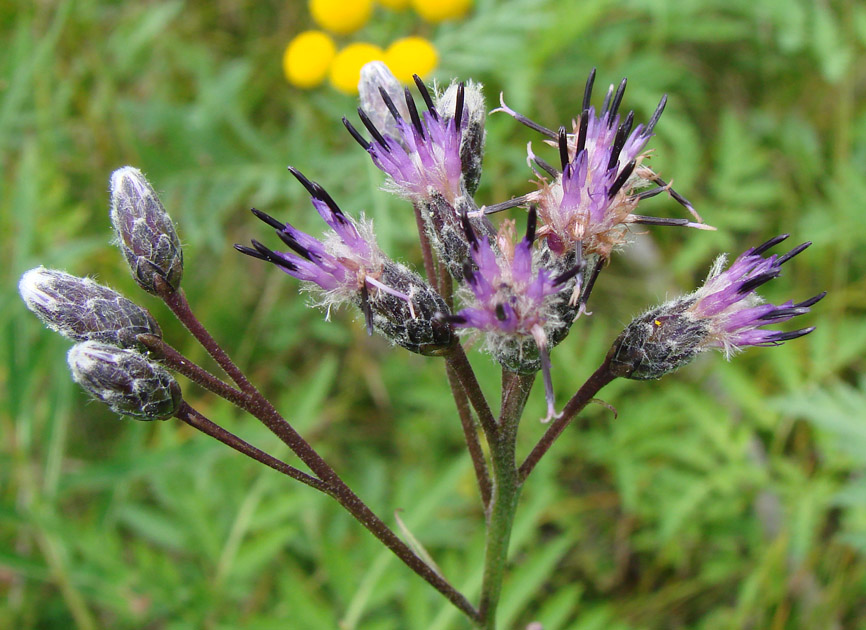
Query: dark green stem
[506,492]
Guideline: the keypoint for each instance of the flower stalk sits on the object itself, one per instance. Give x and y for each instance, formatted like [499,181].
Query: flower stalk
[258,406]
[196,420]
[506,493]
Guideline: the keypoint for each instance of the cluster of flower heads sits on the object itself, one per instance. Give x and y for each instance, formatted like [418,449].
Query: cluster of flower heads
[312,56]
[520,296]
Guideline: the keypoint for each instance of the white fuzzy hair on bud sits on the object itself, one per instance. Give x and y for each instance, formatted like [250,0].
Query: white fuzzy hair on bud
[145,232]
[376,78]
[125,380]
[84,310]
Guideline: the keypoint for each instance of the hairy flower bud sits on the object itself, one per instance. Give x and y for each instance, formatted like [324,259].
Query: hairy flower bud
[145,233]
[377,78]
[415,324]
[659,341]
[125,380]
[83,310]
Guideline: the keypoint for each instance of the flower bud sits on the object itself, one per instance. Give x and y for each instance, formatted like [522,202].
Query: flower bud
[145,233]
[347,266]
[725,314]
[125,381]
[83,310]
[376,78]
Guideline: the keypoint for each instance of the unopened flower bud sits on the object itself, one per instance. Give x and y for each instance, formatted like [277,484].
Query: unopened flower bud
[377,78]
[145,233]
[83,310]
[125,380]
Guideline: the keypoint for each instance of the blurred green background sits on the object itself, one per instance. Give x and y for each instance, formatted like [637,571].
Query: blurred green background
[730,495]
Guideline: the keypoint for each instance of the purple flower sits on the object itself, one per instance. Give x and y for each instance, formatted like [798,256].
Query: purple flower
[735,315]
[725,313]
[424,155]
[347,266]
[432,158]
[586,206]
[509,298]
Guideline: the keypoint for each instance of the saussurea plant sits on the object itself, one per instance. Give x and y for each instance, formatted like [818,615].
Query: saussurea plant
[518,295]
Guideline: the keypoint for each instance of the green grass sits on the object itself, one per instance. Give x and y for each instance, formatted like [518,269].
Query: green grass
[726,496]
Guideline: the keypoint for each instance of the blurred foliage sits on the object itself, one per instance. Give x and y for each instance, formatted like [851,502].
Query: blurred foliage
[727,496]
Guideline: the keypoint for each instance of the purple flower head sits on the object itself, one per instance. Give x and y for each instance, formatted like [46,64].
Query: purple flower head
[347,266]
[432,158]
[422,157]
[725,313]
[734,313]
[586,206]
[508,297]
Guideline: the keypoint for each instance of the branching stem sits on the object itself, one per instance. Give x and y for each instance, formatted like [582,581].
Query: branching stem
[196,420]
[601,377]
[258,406]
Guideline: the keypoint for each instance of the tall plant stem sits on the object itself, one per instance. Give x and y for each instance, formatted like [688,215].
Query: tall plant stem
[258,406]
[601,377]
[506,492]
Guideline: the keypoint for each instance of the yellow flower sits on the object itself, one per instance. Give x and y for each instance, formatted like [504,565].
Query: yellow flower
[411,55]
[346,68]
[341,16]
[438,10]
[394,4]
[307,58]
